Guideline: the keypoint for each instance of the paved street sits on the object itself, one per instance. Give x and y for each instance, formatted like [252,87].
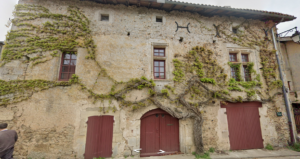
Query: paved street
[243,154]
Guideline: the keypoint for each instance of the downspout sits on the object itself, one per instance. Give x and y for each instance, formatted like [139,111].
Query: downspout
[286,100]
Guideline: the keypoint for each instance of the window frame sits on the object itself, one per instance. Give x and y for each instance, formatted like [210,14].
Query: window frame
[159,44]
[247,55]
[231,75]
[62,64]
[159,52]
[235,54]
[159,68]
[243,57]
[247,74]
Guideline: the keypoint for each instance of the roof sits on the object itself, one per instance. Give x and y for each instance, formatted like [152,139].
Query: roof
[205,10]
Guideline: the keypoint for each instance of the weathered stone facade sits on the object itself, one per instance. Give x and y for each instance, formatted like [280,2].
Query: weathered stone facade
[52,123]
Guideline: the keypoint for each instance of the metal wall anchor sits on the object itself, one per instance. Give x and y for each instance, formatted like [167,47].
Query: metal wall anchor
[187,27]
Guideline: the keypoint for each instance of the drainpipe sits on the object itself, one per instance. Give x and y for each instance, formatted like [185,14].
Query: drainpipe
[286,99]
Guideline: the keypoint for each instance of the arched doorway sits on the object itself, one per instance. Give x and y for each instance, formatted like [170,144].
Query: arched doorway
[159,131]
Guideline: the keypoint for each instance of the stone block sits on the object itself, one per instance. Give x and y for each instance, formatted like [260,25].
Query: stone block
[132,142]
[10,77]
[115,149]
[18,71]
[117,137]
[6,114]
[189,141]
[127,153]
[3,71]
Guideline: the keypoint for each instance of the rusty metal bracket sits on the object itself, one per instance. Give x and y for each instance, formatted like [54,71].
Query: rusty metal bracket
[187,27]
[217,30]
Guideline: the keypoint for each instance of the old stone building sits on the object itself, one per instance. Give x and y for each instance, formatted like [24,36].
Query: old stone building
[105,78]
[290,57]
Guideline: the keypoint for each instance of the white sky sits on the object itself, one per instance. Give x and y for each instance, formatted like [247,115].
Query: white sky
[291,7]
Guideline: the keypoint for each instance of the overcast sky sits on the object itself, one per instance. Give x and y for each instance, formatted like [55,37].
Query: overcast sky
[291,7]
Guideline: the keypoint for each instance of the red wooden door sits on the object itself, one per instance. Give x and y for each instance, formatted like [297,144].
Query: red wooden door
[99,137]
[244,125]
[169,133]
[159,131]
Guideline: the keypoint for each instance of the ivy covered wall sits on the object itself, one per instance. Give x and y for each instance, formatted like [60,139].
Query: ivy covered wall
[114,74]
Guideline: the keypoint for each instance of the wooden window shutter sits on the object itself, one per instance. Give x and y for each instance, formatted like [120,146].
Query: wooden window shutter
[99,137]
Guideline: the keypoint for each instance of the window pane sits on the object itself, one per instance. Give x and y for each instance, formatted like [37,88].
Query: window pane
[66,62]
[162,75]
[65,69]
[156,63]
[162,63]
[233,57]
[156,54]
[73,62]
[162,51]
[156,69]
[156,50]
[162,69]
[156,75]
[161,54]
[72,69]
[245,58]
[64,76]
[74,56]
[67,56]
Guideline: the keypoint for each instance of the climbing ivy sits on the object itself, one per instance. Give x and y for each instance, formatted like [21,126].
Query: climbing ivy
[60,33]
[197,74]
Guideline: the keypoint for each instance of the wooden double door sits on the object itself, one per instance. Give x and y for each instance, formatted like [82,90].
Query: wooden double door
[159,131]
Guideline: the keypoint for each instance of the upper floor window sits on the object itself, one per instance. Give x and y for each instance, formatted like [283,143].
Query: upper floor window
[159,69]
[104,17]
[247,74]
[233,57]
[233,73]
[241,58]
[245,58]
[67,67]
[159,52]
[159,19]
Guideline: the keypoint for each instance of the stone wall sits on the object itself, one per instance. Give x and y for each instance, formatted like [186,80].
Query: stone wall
[52,123]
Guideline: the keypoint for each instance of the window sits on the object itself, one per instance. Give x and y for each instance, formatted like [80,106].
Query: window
[104,17]
[241,57]
[159,52]
[159,64]
[159,69]
[247,74]
[233,57]
[234,30]
[245,58]
[159,19]
[233,73]
[67,67]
